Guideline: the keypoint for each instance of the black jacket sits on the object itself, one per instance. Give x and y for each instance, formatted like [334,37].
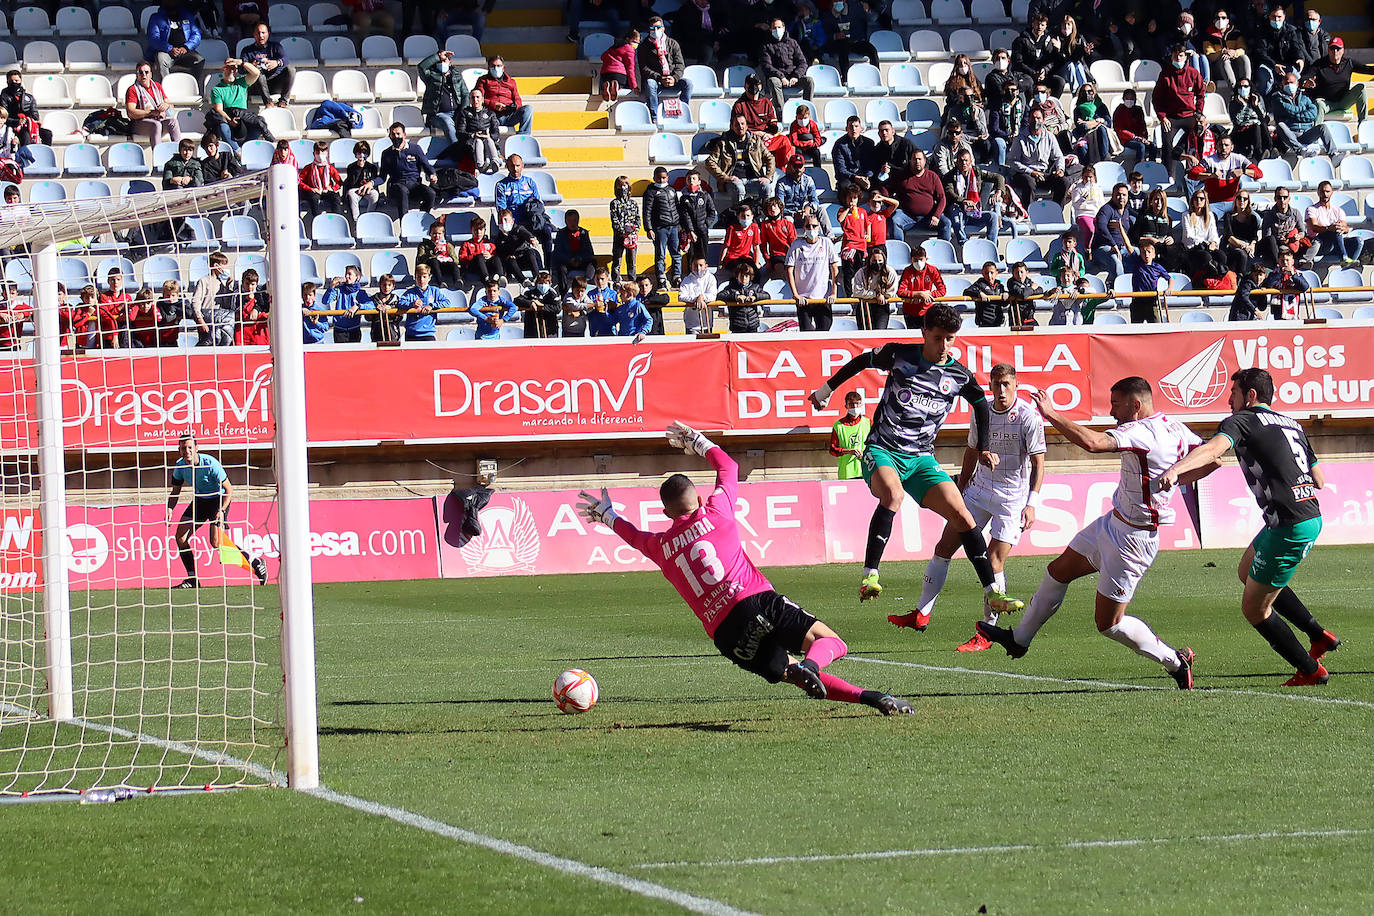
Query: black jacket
[745,317]
[661,207]
[697,211]
[1275,46]
[783,59]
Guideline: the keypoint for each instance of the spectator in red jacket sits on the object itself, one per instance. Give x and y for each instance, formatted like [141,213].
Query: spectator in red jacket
[778,233]
[321,184]
[805,135]
[114,311]
[501,95]
[743,240]
[13,314]
[920,286]
[618,67]
[143,319]
[1178,96]
[254,308]
[75,321]
[477,255]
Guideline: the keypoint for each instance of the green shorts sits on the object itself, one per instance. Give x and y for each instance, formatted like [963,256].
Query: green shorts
[1278,551]
[918,473]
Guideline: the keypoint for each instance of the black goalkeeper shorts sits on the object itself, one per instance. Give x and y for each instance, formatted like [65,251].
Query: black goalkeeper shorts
[760,631]
[202,509]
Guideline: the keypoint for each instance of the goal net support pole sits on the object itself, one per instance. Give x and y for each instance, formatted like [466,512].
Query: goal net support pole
[293,499]
[57,623]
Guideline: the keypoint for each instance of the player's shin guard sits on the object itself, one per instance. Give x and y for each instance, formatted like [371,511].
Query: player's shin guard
[825,650]
[1281,638]
[1047,599]
[879,530]
[937,570]
[188,559]
[1137,636]
[837,688]
[976,549]
[1295,612]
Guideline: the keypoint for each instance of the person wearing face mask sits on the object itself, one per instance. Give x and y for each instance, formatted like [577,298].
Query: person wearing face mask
[663,224]
[848,435]
[761,119]
[19,110]
[662,68]
[782,65]
[966,115]
[1178,99]
[1032,56]
[541,305]
[697,210]
[1185,33]
[1091,125]
[813,272]
[962,79]
[403,167]
[360,181]
[320,185]
[920,285]
[1224,46]
[1128,120]
[873,286]
[805,135]
[444,92]
[705,28]
[624,229]
[1314,40]
[1277,49]
[1057,123]
[806,29]
[1037,162]
[1250,123]
[514,248]
[847,30]
[501,95]
[1295,122]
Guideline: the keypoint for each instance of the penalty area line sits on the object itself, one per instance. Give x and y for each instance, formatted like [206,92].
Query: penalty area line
[1088,682]
[686,901]
[1019,847]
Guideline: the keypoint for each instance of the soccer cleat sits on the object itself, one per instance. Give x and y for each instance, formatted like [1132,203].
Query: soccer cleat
[1002,637]
[259,569]
[1184,674]
[1320,676]
[889,705]
[912,621]
[979,643]
[1327,642]
[804,675]
[999,603]
[869,587]
[189,583]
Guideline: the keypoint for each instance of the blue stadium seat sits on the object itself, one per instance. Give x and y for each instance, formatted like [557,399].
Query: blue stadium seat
[527,147]
[257,262]
[683,122]
[865,80]
[203,235]
[91,190]
[1341,140]
[390,262]
[1313,170]
[714,116]
[838,111]
[73,273]
[458,225]
[158,269]
[548,187]
[1047,216]
[82,160]
[241,233]
[310,273]
[136,186]
[1277,174]
[486,188]
[376,231]
[256,155]
[1357,172]
[668,149]
[631,117]
[1196,317]
[415,226]
[977,251]
[340,261]
[1108,318]
[128,159]
[330,230]
[889,46]
[102,270]
[735,78]
[596,44]
[1345,276]
[898,254]
[703,82]
[905,79]
[1026,250]
[941,254]
[44,162]
[44,192]
[922,114]
[879,110]
[826,80]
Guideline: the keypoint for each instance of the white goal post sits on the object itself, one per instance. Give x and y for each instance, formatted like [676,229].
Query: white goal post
[79,708]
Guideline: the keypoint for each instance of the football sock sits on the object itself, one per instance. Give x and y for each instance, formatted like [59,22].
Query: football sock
[999,581]
[976,549]
[839,689]
[879,530]
[825,650]
[247,557]
[1136,635]
[934,580]
[188,559]
[1046,600]
[1278,635]
[1291,607]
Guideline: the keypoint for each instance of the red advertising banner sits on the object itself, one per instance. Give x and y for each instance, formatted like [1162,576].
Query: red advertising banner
[770,379]
[1317,370]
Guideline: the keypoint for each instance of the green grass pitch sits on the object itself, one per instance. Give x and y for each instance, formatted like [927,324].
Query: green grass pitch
[1070,792]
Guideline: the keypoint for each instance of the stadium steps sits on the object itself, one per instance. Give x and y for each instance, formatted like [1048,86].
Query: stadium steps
[555,84]
[545,120]
[533,50]
[584,154]
[521,18]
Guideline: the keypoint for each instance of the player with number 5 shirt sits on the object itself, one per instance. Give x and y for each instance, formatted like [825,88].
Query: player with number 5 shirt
[702,555]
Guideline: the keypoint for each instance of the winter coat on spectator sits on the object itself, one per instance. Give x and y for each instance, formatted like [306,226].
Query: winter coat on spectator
[214,169]
[160,30]
[989,306]
[1297,111]
[805,137]
[1313,46]
[652,67]
[739,299]
[321,179]
[471,121]
[176,167]
[721,160]
[698,212]
[485,310]
[926,280]
[781,58]
[625,214]
[620,58]
[1270,47]
[420,324]
[630,318]
[853,158]
[1129,123]
[1032,153]
[778,236]
[499,94]
[1032,56]
[358,174]
[660,207]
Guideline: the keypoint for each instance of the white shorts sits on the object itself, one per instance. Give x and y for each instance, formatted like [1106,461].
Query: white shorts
[1003,520]
[1120,553]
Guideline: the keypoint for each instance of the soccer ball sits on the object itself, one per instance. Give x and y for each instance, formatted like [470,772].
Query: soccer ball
[575,691]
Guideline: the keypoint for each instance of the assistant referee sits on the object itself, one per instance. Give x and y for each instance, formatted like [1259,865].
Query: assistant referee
[212,492]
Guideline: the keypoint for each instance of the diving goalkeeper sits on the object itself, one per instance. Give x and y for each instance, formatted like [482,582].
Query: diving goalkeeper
[211,494]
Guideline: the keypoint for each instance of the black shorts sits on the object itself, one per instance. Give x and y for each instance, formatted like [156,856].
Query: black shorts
[201,510]
[758,633]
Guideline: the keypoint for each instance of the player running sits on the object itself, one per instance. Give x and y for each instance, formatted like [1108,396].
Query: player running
[1121,545]
[212,492]
[1282,473]
[923,383]
[702,556]
[1003,499]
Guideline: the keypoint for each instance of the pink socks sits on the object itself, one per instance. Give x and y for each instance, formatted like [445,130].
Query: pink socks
[825,650]
[839,689]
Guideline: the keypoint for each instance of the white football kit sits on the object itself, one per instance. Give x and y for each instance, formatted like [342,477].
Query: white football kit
[996,496]
[1122,544]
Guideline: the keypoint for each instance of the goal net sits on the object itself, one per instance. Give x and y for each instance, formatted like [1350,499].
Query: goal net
[144,644]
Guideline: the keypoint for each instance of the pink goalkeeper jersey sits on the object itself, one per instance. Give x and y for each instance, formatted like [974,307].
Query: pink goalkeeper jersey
[701,554]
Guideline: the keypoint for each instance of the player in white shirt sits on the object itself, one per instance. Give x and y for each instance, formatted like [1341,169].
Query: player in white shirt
[1001,499]
[1121,545]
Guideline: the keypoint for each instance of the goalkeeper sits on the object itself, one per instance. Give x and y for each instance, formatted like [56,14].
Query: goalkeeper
[702,556]
[211,494]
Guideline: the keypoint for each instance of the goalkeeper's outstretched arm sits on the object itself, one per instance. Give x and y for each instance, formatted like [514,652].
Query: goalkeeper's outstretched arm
[682,436]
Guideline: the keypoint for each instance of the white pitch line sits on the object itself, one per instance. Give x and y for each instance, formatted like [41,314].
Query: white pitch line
[1017,847]
[689,902]
[1235,691]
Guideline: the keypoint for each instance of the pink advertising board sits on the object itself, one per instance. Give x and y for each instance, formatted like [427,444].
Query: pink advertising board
[1230,516]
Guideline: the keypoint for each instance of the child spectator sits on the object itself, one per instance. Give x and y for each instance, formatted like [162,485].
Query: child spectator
[347,295]
[697,292]
[989,298]
[77,321]
[624,228]
[739,296]
[697,213]
[806,135]
[171,309]
[572,250]
[743,240]
[320,185]
[1085,197]
[1149,276]
[618,70]
[360,181]
[1292,283]
[253,315]
[861,229]
[873,287]
[848,436]
[1246,306]
[602,299]
[541,305]
[920,286]
[283,155]
[1068,257]
[491,310]
[314,325]
[778,233]
[576,305]
[386,321]
[419,303]
[438,254]
[515,248]
[1067,303]
[220,162]
[477,255]
[480,128]
[13,314]
[114,311]
[654,299]
[1021,290]
[629,317]
[143,320]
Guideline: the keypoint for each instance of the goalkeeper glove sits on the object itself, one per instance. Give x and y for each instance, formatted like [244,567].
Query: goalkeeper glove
[597,509]
[821,396]
[682,436]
